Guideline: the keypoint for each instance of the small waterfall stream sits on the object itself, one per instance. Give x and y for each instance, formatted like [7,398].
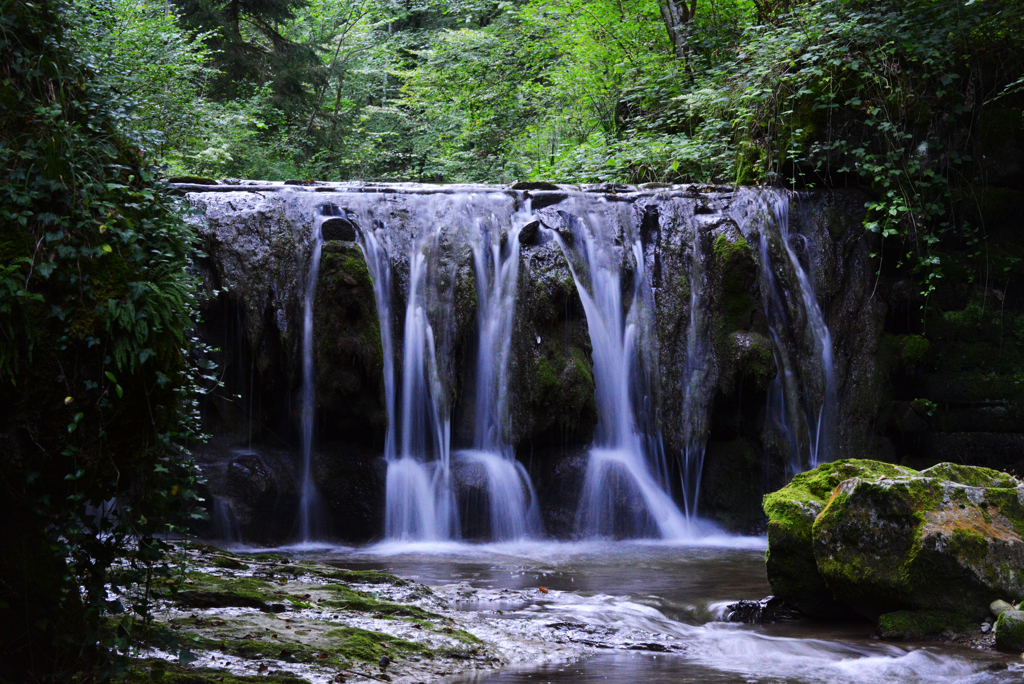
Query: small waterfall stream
[420,498]
[312,523]
[801,401]
[511,499]
[695,402]
[622,494]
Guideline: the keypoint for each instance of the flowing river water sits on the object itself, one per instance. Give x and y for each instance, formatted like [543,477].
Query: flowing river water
[652,612]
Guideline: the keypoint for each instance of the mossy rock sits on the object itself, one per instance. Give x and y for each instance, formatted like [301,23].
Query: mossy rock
[228,563]
[154,670]
[750,357]
[368,646]
[734,261]
[1010,631]
[915,625]
[972,476]
[790,562]
[922,542]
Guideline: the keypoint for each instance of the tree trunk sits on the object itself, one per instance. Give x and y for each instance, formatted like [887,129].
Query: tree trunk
[677,14]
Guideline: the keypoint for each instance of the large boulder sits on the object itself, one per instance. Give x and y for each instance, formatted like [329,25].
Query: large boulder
[948,538]
[1010,631]
[790,562]
[875,539]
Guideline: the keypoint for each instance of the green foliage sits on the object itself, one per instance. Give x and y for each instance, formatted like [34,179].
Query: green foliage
[899,99]
[95,374]
[158,69]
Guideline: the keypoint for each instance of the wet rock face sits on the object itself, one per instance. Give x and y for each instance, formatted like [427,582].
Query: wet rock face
[349,357]
[255,489]
[887,539]
[709,354]
[550,369]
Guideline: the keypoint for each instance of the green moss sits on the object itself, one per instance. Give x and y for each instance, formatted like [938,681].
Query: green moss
[913,349]
[1010,631]
[726,250]
[912,625]
[350,599]
[969,545]
[752,355]
[365,577]
[972,476]
[352,314]
[736,264]
[579,360]
[271,557]
[547,377]
[210,590]
[154,671]
[815,486]
[272,649]
[790,562]
[229,563]
[368,646]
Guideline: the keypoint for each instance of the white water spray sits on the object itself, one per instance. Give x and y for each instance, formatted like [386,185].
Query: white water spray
[312,525]
[621,492]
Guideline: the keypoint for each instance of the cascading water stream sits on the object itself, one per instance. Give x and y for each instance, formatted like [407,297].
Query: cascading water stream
[419,501]
[420,498]
[695,403]
[791,410]
[621,493]
[311,523]
[511,499]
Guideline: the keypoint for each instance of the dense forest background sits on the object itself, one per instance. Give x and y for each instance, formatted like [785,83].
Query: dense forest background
[911,101]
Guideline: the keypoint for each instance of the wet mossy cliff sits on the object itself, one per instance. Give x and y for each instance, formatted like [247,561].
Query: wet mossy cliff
[730,351]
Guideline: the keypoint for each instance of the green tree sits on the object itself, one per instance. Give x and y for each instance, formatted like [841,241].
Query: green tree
[96,377]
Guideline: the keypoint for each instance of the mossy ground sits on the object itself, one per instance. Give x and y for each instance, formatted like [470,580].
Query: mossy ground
[299,614]
[152,671]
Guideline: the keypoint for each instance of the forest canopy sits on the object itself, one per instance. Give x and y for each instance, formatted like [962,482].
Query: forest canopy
[901,99]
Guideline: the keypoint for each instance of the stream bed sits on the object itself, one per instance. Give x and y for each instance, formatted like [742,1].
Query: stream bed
[651,612]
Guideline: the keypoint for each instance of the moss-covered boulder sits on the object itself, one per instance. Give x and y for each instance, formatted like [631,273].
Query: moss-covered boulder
[1010,631]
[790,562]
[915,625]
[948,538]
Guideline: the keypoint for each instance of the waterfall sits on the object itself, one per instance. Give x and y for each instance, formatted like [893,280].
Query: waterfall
[695,399]
[420,497]
[801,400]
[466,381]
[312,524]
[622,494]
[419,502]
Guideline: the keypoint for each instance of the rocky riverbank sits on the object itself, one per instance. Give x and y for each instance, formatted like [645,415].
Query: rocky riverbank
[230,617]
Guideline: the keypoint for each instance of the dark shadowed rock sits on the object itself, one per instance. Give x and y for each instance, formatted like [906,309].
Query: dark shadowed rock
[338,228]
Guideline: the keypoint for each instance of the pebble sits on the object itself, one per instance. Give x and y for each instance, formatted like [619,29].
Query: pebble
[985,627]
